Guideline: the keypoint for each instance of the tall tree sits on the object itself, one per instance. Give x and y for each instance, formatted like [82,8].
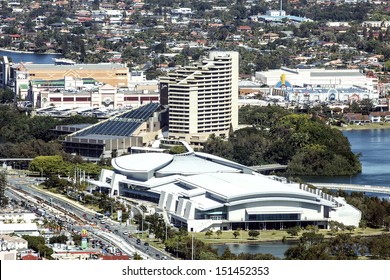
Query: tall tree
[3,198]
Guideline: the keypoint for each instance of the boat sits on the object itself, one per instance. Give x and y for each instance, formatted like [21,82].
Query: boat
[63,61]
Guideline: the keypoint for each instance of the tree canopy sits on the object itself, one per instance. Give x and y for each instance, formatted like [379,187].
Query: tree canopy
[24,136]
[274,135]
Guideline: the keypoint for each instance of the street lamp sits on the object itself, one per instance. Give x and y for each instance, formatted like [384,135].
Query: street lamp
[142,225]
[177,247]
[192,247]
[166,231]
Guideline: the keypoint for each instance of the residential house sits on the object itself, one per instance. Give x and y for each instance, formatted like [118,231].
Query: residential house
[357,118]
[244,29]
[379,117]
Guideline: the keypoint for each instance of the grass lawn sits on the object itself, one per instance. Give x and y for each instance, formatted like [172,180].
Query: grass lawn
[228,237]
[57,193]
[272,235]
[365,126]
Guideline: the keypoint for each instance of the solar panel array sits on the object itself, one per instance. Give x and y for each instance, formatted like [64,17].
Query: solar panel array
[123,125]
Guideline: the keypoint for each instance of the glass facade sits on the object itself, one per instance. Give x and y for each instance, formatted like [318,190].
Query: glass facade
[215,214]
[274,217]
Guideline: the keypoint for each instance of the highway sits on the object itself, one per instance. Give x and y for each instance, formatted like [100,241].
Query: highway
[110,231]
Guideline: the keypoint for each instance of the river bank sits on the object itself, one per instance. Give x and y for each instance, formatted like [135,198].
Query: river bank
[226,237]
[29,57]
[27,52]
[363,127]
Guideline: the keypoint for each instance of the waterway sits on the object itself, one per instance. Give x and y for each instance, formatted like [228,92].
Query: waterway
[276,249]
[372,144]
[374,147]
[17,57]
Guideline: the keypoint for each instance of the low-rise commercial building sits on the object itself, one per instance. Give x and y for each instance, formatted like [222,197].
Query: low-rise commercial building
[116,135]
[310,94]
[104,96]
[318,78]
[10,246]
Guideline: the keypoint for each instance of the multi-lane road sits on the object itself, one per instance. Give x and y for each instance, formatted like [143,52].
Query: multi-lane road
[79,216]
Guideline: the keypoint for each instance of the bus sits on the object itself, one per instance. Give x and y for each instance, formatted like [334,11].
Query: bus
[99,216]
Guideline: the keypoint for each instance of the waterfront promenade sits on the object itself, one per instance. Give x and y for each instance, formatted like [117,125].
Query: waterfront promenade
[353,187]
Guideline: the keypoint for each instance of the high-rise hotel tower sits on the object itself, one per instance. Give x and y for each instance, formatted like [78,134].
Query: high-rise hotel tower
[202,98]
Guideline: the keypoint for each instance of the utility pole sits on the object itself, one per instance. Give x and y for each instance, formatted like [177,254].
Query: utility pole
[3,184]
[192,247]
[142,224]
[177,247]
[166,231]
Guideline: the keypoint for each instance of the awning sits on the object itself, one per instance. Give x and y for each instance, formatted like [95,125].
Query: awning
[99,183]
[273,210]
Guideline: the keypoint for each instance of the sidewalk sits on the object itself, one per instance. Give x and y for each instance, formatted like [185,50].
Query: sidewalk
[64,198]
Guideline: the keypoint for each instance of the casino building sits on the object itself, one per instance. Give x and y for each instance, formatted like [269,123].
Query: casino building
[200,191]
[202,98]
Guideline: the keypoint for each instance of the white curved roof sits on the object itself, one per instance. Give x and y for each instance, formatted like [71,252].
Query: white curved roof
[219,159]
[233,186]
[166,164]
[143,162]
[191,164]
[237,189]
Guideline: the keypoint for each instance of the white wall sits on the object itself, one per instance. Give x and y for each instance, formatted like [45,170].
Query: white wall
[347,214]
[237,213]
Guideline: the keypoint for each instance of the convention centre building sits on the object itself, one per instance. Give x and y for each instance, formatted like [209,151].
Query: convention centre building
[200,191]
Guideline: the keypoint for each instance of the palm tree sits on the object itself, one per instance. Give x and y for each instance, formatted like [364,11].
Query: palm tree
[209,233]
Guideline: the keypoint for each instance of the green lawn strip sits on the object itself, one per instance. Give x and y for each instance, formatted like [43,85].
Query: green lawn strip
[275,235]
[365,126]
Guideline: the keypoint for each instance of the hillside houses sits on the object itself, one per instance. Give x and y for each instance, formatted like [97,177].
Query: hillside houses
[136,32]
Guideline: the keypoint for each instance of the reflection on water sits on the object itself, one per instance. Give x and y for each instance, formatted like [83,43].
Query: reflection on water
[374,147]
[274,248]
[30,57]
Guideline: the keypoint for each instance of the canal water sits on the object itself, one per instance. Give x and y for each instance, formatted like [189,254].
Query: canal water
[17,57]
[372,144]
[276,249]
[374,147]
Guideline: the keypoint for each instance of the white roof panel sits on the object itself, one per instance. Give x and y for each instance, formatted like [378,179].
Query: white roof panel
[192,164]
[18,227]
[141,162]
[205,203]
[99,183]
[170,188]
[230,185]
